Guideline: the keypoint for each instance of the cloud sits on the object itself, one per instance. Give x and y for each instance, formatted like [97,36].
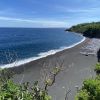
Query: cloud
[77,10]
[38,22]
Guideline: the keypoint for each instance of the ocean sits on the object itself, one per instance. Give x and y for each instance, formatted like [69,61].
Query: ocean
[22,45]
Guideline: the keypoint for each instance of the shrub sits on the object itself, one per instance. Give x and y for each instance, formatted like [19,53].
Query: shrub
[98,77]
[92,86]
[82,95]
[5,75]
[11,91]
[97,68]
[90,90]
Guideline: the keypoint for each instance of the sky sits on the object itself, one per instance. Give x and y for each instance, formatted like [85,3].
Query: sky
[48,13]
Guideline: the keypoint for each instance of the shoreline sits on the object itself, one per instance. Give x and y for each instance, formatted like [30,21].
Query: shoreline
[41,55]
[77,67]
[21,68]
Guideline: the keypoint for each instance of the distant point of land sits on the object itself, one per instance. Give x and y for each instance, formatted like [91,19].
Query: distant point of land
[91,30]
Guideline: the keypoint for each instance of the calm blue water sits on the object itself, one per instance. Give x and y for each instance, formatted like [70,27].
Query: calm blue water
[24,43]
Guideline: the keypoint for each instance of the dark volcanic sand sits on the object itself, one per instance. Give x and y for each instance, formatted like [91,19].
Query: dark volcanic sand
[77,67]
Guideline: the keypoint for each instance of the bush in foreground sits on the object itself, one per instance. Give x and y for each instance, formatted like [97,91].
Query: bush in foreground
[11,91]
[97,68]
[82,95]
[91,88]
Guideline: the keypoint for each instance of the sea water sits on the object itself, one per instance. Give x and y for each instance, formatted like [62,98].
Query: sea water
[23,45]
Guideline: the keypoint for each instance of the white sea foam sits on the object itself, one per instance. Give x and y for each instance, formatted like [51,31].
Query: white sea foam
[40,55]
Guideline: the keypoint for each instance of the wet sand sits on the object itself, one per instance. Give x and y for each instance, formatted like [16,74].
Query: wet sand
[77,67]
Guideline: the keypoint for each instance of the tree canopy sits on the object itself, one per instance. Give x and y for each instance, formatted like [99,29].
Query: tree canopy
[91,30]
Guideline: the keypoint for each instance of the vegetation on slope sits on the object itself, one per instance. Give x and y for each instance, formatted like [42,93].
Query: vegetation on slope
[91,87]
[9,90]
[12,91]
[87,29]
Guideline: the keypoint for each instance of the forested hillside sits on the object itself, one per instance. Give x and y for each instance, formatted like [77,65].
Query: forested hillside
[87,29]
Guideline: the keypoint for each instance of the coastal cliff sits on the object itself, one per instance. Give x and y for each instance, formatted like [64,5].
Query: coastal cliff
[91,30]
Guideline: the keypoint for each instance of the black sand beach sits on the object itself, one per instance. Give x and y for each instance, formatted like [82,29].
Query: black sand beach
[77,67]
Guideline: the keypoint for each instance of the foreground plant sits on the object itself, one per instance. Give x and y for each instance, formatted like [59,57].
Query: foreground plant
[12,91]
[5,75]
[82,95]
[90,90]
[91,87]
[97,68]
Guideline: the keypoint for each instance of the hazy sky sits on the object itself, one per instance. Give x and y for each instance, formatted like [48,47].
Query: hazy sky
[47,13]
